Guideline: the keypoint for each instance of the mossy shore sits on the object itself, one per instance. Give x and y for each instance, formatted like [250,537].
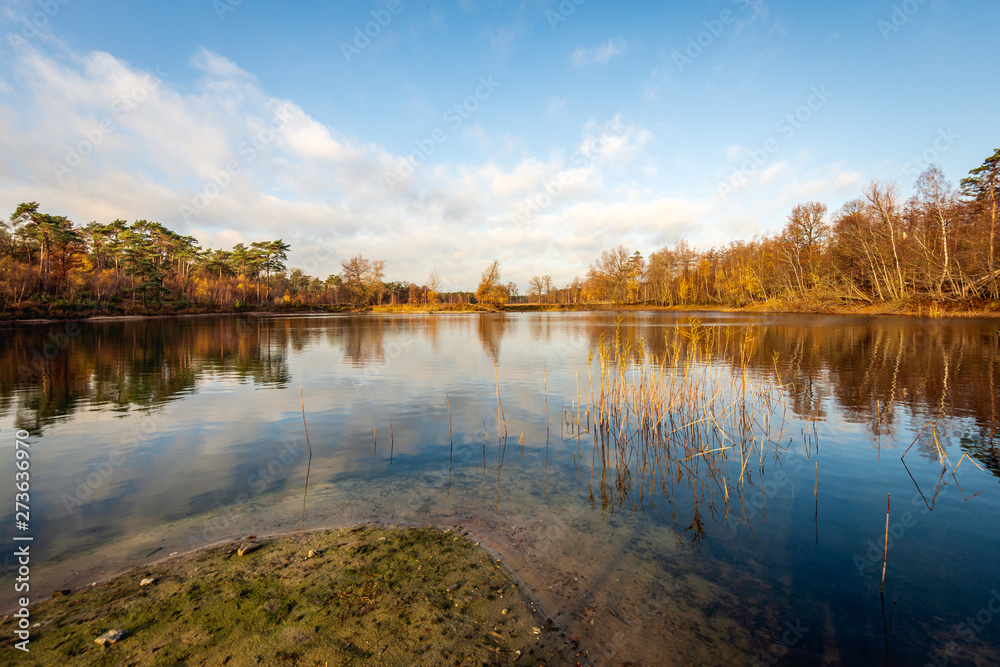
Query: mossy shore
[364,596]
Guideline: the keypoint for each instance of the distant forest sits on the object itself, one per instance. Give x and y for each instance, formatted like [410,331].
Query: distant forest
[937,247]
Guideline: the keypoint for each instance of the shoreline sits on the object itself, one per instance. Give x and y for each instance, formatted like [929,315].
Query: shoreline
[870,310]
[454,607]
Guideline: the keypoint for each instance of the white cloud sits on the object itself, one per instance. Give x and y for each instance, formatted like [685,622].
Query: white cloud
[772,172]
[847,180]
[614,142]
[304,181]
[832,181]
[300,181]
[525,178]
[599,54]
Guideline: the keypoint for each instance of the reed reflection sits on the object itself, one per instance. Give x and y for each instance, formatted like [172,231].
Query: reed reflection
[872,371]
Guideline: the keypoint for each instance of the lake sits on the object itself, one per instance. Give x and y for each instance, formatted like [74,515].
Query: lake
[674,488]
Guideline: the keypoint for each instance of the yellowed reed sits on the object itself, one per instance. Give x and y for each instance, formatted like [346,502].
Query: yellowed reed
[685,416]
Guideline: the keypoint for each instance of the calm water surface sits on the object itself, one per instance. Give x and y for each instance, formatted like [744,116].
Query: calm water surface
[158,436]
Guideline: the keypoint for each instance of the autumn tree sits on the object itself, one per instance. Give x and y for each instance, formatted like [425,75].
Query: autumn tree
[883,199]
[548,286]
[434,286]
[490,291]
[661,271]
[414,295]
[362,279]
[854,252]
[536,287]
[804,235]
[636,269]
[938,202]
[610,275]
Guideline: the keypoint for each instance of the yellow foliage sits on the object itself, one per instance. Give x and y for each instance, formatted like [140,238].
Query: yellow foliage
[685,290]
[202,289]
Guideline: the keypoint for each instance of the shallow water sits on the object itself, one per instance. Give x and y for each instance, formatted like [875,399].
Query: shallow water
[155,436]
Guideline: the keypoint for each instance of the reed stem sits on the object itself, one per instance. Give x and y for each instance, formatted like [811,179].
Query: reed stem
[305,491]
[500,412]
[885,558]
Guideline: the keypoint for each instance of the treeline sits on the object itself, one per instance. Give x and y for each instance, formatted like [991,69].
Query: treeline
[939,245]
[48,264]
[47,260]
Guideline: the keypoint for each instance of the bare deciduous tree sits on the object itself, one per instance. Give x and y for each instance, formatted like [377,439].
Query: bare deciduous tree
[884,201]
[362,279]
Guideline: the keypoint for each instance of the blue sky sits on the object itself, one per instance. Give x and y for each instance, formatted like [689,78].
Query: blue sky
[536,132]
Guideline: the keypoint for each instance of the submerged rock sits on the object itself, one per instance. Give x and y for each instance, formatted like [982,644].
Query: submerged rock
[109,637]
